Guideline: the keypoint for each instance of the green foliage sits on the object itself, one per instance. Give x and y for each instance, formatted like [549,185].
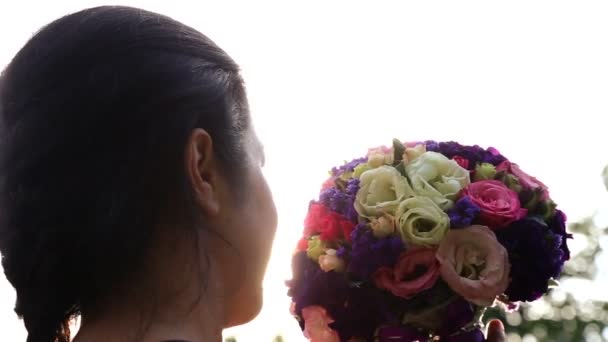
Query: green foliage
[560,318]
[605,176]
[398,150]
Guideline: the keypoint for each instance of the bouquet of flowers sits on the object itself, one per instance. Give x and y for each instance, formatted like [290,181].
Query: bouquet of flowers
[414,241]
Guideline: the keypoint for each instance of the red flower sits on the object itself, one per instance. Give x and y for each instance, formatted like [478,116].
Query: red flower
[302,244]
[462,161]
[312,223]
[330,182]
[330,225]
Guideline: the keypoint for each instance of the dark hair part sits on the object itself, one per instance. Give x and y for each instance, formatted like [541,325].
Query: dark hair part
[95,113]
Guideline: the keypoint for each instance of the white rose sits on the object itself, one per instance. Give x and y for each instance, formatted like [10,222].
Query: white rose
[435,176]
[381,190]
[421,221]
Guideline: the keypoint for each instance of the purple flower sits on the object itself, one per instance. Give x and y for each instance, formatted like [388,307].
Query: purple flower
[474,335]
[401,334]
[312,286]
[369,253]
[342,202]
[536,254]
[348,167]
[366,308]
[343,253]
[432,145]
[558,226]
[352,187]
[457,314]
[474,154]
[493,157]
[463,213]
[357,311]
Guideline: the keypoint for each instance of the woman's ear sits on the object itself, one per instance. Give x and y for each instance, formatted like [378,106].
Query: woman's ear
[202,170]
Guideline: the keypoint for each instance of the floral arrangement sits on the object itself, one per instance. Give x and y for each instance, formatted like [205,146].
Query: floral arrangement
[413,242]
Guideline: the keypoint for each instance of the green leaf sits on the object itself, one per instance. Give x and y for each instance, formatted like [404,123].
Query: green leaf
[340,184]
[424,309]
[360,169]
[401,169]
[484,171]
[398,150]
[511,181]
[538,219]
[530,199]
[605,176]
[546,209]
[553,283]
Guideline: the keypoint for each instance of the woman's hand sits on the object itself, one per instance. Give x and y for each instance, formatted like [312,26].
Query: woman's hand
[496,331]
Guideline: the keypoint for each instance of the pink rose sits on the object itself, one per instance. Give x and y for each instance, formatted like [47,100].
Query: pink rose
[316,325]
[525,180]
[499,205]
[416,270]
[474,264]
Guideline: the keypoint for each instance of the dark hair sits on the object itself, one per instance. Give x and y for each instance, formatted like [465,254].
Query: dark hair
[95,113]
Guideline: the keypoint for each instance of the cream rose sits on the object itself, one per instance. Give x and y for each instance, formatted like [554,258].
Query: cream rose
[383,226]
[380,156]
[435,176]
[330,261]
[474,264]
[411,153]
[381,190]
[421,221]
[316,325]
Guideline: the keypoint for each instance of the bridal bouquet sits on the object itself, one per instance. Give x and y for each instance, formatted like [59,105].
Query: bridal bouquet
[413,242]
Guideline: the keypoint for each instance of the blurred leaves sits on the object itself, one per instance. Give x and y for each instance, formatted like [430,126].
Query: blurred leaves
[559,317]
[605,176]
[582,265]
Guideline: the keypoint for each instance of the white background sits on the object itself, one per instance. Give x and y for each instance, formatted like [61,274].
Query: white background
[327,79]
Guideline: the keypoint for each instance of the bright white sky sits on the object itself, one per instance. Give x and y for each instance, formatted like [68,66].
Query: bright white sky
[328,79]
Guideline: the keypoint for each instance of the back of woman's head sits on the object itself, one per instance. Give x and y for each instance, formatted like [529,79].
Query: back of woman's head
[95,111]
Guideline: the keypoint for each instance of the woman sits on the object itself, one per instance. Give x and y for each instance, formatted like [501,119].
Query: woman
[130,185]
[131,190]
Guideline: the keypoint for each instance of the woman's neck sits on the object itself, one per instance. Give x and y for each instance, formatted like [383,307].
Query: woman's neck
[126,328]
[152,321]
[178,305]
